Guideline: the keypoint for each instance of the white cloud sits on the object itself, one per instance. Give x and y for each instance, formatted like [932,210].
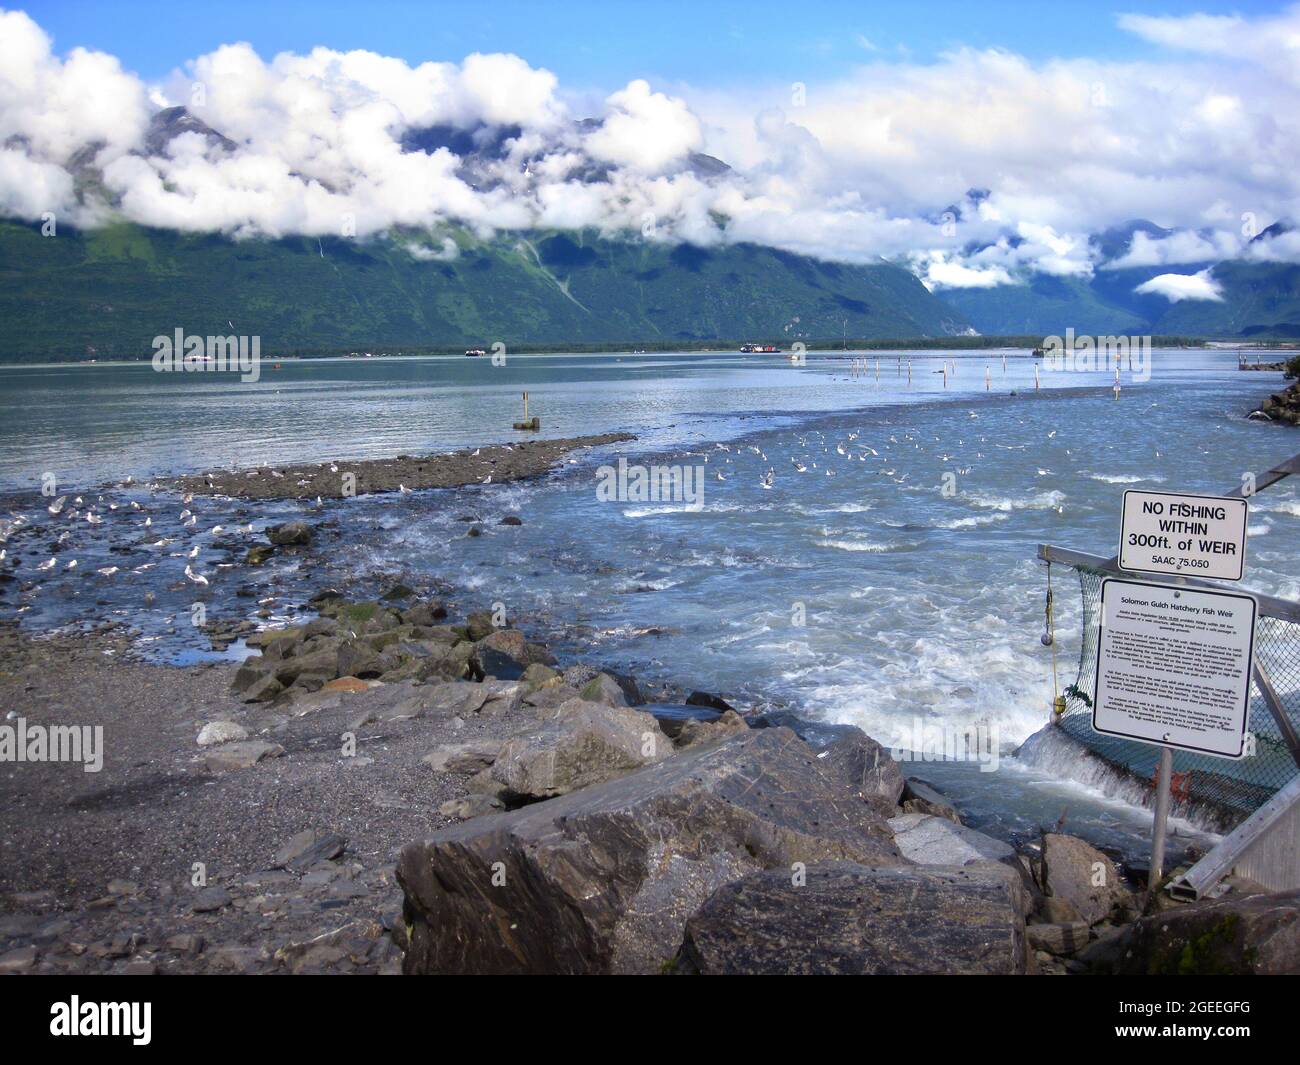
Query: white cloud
[878,163]
[1183,247]
[939,270]
[645,130]
[1178,287]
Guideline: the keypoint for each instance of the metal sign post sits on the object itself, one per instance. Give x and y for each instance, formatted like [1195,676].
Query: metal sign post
[1160,830]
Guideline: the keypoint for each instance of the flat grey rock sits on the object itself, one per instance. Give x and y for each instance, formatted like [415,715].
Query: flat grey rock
[931,840]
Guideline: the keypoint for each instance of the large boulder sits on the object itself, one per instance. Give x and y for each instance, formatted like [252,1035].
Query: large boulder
[428,613]
[468,758]
[322,663]
[604,879]
[1079,874]
[580,744]
[694,731]
[845,917]
[867,766]
[479,625]
[461,698]
[922,798]
[502,654]
[931,840]
[355,659]
[1252,934]
[289,534]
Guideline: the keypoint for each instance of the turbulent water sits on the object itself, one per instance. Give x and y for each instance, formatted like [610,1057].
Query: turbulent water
[884,574]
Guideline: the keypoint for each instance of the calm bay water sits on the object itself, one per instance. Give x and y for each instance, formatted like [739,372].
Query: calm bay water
[920,608]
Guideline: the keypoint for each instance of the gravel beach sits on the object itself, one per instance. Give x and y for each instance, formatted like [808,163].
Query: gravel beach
[330,480]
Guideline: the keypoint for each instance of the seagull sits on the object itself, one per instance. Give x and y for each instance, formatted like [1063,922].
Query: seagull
[194,552]
[333,468]
[107,571]
[187,498]
[800,467]
[197,578]
[148,522]
[57,505]
[403,489]
[72,564]
[768,478]
[487,479]
[50,564]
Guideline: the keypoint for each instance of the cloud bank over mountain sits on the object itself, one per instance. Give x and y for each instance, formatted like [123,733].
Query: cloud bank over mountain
[976,168]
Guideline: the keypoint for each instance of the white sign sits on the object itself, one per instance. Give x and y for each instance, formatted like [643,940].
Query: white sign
[1174,666]
[1195,536]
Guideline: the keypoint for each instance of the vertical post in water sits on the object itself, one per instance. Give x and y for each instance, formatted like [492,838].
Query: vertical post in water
[525,406]
[1158,833]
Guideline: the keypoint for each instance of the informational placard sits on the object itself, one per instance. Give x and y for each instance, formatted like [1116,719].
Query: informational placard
[1193,536]
[1174,666]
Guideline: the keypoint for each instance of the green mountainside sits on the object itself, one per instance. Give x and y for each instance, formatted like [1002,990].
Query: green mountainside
[107,293]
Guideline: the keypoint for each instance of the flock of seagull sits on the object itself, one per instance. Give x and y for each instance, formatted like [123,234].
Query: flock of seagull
[70,511]
[817,453]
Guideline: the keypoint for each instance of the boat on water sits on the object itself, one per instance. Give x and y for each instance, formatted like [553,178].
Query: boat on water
[1039,353]
[474,353]
[760,349]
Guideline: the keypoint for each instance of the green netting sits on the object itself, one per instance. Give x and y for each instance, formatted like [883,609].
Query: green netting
[1216,789]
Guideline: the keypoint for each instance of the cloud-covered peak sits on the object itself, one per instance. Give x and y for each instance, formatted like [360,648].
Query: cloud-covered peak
[979,168]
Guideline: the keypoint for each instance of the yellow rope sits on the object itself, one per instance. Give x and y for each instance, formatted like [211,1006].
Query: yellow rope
[1058,700]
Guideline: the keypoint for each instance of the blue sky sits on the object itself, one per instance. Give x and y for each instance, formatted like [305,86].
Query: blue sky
[601,45]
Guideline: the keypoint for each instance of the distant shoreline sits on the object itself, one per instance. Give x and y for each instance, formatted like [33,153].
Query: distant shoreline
[711,347]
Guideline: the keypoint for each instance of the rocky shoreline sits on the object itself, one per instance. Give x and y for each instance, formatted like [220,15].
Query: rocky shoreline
[1283,407]
[343,478]
[393,787]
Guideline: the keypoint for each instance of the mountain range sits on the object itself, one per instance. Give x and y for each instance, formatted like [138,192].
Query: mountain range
[106,292]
